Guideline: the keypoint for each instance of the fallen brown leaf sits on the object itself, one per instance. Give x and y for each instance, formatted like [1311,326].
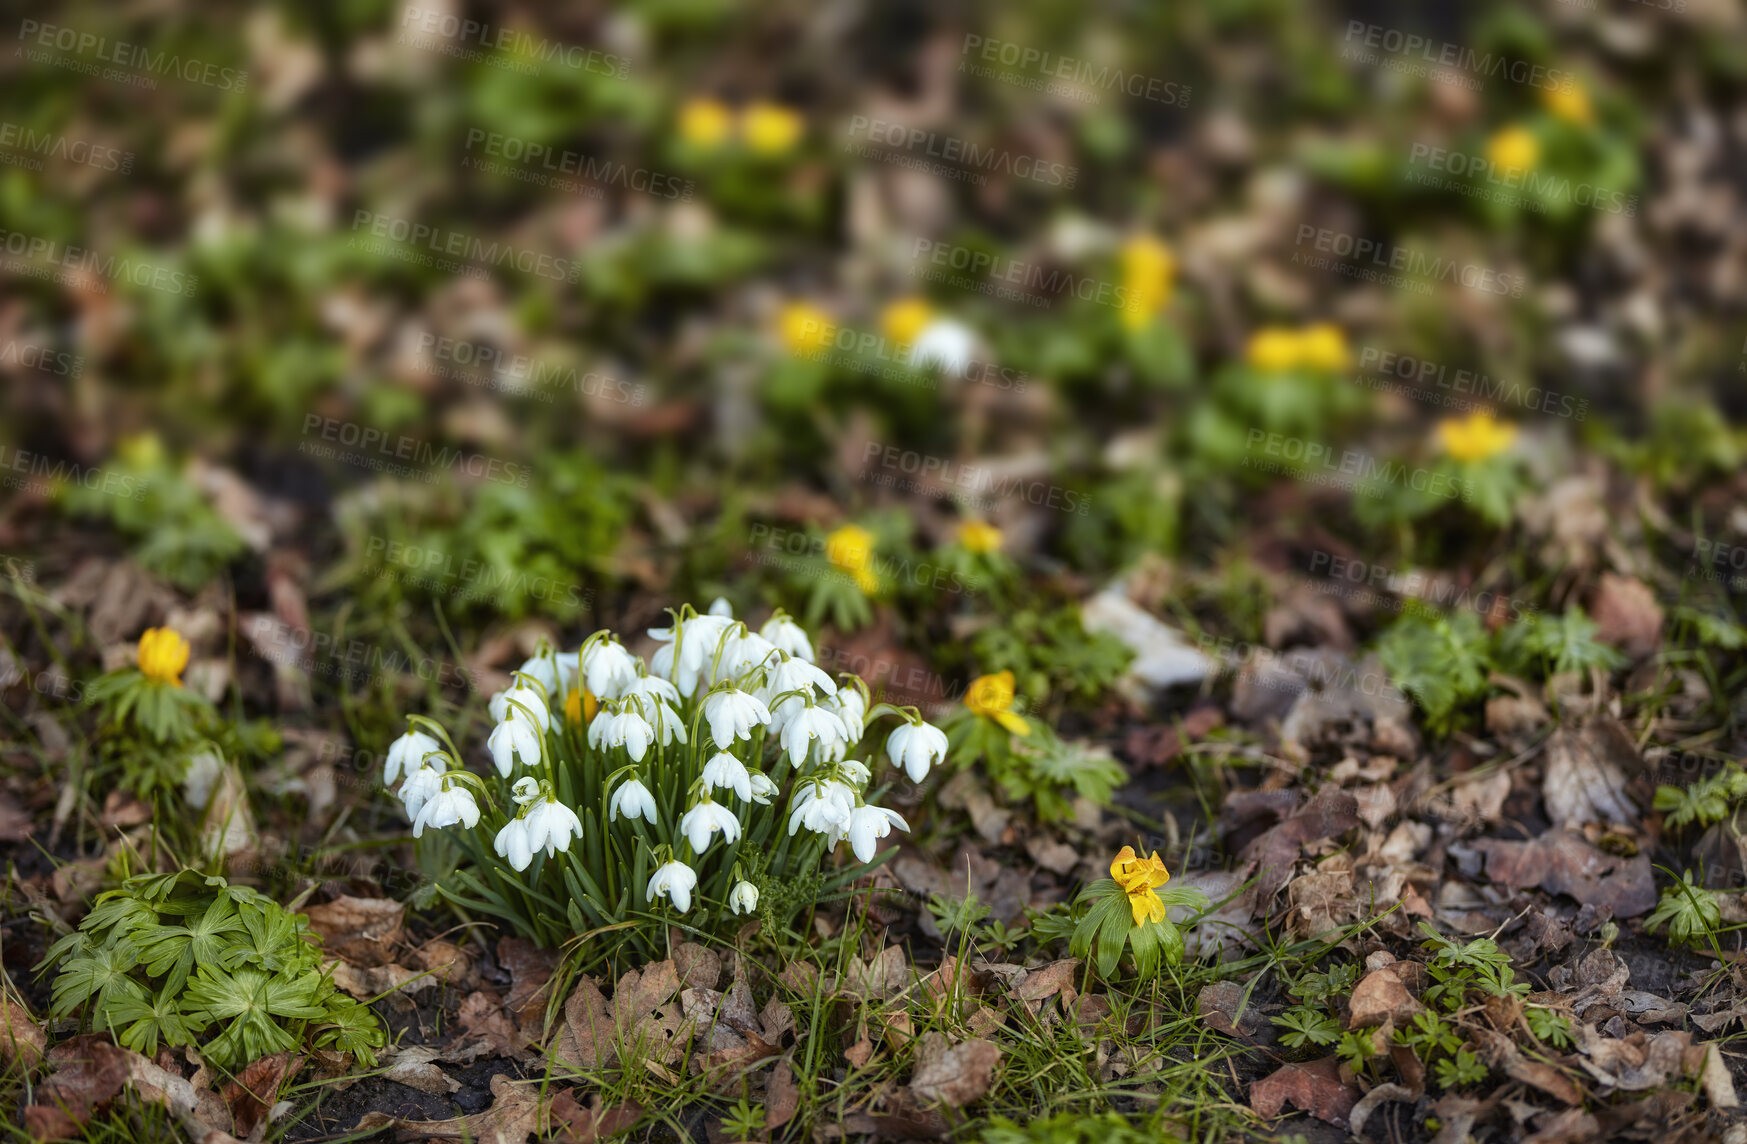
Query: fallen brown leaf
[1626,614]
[1315,1087]
[514,1115]
[89,1072]
[955,1075]
[415,1066]
[571,1123]
[21,1039]
[1561,862]
[363,931]
[250,1097]
[1384,995]
[1586,775]
[530,969]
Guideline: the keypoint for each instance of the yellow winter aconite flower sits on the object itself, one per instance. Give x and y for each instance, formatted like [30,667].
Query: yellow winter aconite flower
[1513,149]
[142,450]
[904,320]
[771,128]
[804,328]
[991,696]
[580,706]
[1276,349]
[1475,437]
[1324,347]
[1148,271]
[1570,103]
[163,653]
[850,549]
[1273,349]
[705,122]
[980,536]
[1138,878]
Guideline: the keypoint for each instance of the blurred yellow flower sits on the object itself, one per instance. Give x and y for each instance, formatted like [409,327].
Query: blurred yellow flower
[142,450]
[770,128]
[979,536]
[163,653]
[1570,103]
[991,696]
[580,706]
[1140,878]
[705,122]
[1148,271]
[904,320]
[850,549]
[1475,437]
[1513,149]
[805,328]
[1273,349]
[1323,346]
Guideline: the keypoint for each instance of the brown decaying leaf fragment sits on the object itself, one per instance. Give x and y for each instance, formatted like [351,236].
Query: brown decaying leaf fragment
[1314,1086]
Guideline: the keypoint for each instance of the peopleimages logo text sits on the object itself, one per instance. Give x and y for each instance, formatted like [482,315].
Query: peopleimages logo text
[135,56]
[962,152]
[457,244]
[1443,53]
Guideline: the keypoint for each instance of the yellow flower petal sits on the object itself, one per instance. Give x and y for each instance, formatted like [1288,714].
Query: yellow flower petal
[1476,437]
[1570,103]
[1323,346]
[980,536]
[904,320]
[705,122]
[163,653]
[804,328]
[1513,149]
[1273,350]
[770,128]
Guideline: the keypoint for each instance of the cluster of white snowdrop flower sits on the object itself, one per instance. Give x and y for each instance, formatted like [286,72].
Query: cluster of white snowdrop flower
[696,770]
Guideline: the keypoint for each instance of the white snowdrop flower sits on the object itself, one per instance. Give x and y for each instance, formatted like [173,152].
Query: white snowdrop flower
[552,825]
[418,789]
[697,640]
[512,844]
[721,607]
[667,723]
[608,668]
[855,771]
[514,737]
[945,344]
[702,821]
[743,898]
[633,800]
[763,788]
[525,702]
[661,663]
[546,669]
[525,790]
[407,754]
[449,805]
[652,689]
[850,706]
[725,772]
[794,675]
[674,881]
[786,635]
[869,824]
[732,714]
[916,747]
[808,724]
[627,729]
[745,651]
[821,807]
